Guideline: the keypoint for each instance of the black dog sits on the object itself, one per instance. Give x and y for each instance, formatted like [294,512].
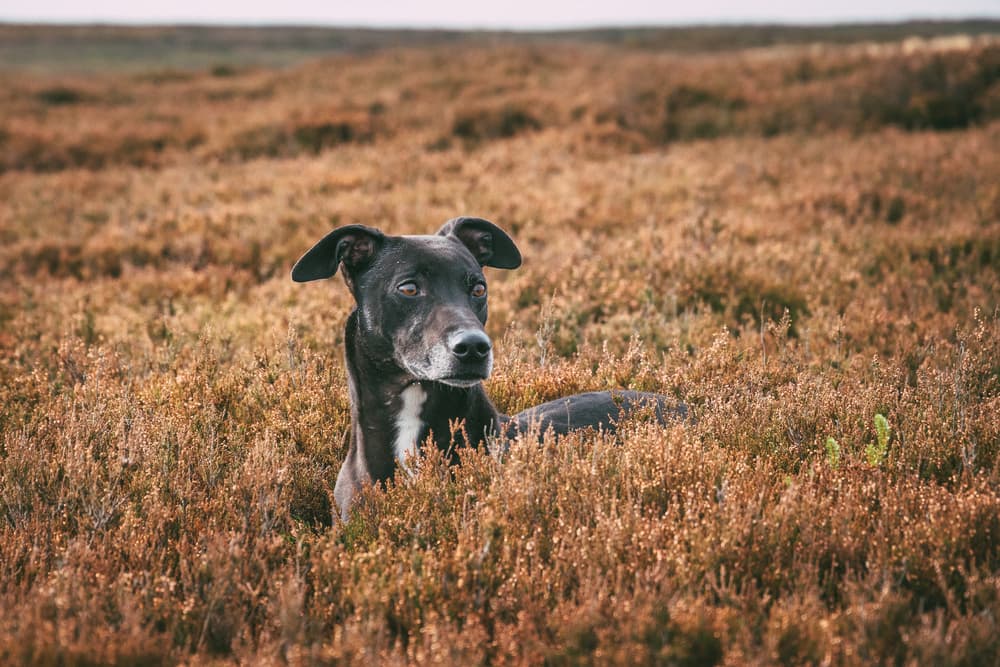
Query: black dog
[417,352]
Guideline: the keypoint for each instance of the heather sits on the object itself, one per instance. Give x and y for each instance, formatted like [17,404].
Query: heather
[802,243]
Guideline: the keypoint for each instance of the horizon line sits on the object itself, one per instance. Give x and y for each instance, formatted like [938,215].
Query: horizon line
[432,27]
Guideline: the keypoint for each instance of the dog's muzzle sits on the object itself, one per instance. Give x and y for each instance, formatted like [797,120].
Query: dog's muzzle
[471,358]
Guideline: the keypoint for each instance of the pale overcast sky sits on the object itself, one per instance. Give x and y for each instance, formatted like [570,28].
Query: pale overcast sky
[510,14]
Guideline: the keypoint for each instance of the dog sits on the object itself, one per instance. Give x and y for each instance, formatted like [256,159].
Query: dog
[417,354]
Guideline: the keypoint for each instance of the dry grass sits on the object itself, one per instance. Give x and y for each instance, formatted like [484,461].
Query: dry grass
[774,237]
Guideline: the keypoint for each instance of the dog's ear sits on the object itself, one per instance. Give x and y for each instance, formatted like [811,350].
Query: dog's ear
[354,245]
[489,244]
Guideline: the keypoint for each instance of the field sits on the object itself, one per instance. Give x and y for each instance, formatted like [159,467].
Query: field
[800,241]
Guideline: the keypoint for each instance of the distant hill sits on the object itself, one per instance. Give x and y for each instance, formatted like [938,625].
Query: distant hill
[95,47]
[729,37]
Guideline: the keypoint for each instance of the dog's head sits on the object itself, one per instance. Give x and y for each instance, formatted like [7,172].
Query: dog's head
[421,299]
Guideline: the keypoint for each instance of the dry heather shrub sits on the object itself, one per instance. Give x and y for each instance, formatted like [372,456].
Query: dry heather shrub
[309,135]
[173,410]
[938,91]
[143,147]
[485,123]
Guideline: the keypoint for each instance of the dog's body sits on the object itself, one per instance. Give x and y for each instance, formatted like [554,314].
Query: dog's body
[416,351]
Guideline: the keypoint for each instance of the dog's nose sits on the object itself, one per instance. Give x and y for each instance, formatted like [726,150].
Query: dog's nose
[471,346]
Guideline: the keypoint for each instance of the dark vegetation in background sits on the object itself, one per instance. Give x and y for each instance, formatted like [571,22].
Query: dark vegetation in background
[504,122]
[302,136]
[943,93]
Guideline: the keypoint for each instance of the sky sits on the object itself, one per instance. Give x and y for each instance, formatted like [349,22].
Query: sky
[517,14]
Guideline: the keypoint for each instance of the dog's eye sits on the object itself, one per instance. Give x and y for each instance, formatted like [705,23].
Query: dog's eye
[479,290]
[408,289]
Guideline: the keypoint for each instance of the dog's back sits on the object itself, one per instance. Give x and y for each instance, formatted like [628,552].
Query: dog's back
[600,410]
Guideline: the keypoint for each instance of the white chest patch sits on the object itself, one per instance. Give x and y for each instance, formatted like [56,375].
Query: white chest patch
[409,425]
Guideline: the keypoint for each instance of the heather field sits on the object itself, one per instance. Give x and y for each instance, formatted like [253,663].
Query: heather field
[801,242]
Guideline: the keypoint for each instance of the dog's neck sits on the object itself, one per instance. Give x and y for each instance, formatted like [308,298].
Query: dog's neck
[392,413]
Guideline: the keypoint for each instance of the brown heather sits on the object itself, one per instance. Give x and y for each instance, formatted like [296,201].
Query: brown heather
[791,240]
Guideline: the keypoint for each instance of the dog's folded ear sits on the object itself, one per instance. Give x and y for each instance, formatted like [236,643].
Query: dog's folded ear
[354,245]
[489,244]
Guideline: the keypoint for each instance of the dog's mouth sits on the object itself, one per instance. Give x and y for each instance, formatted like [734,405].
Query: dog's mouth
[464,381]
[440,365]
[464,378]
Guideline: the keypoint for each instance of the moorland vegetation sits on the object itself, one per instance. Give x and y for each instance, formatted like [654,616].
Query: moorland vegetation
[801,242]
